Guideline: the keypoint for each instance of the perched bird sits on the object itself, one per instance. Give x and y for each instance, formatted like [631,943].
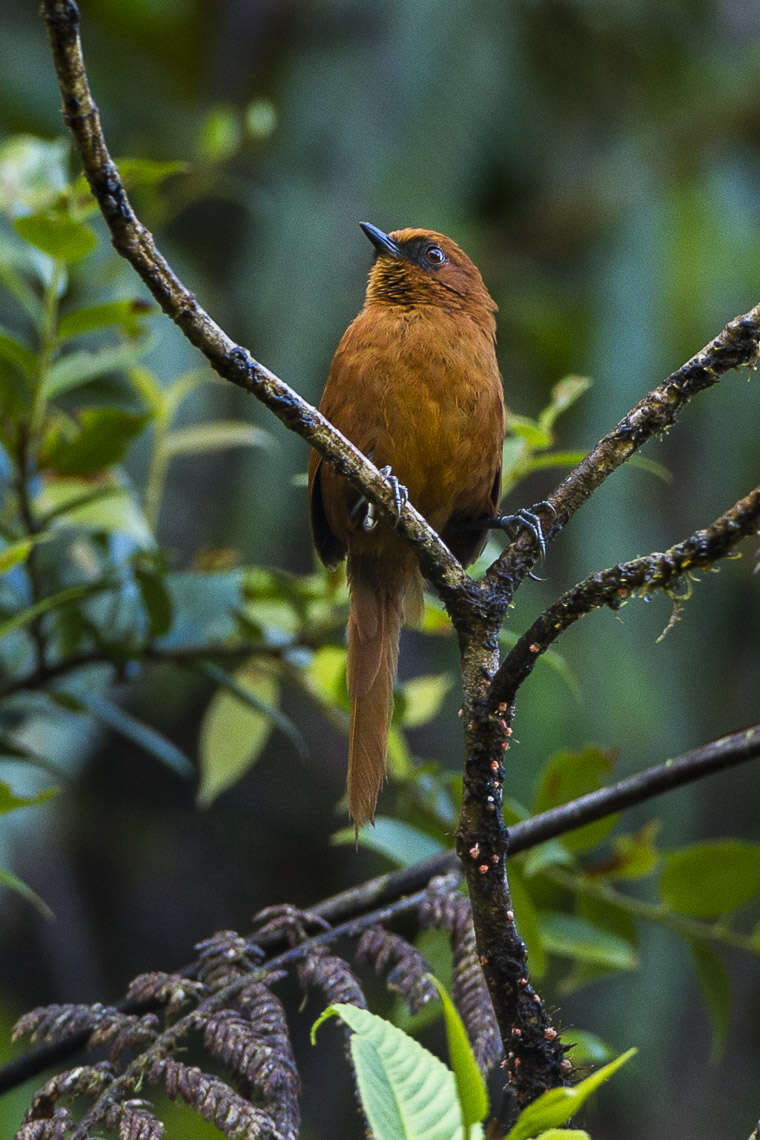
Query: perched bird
[414,384]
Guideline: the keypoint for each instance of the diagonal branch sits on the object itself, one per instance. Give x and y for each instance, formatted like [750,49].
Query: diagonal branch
[614,586]
[231,361]
[735,345]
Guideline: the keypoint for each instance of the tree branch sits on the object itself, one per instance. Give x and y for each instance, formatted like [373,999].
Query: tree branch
[389,896]
[231,361]
[738,343]
[614,586]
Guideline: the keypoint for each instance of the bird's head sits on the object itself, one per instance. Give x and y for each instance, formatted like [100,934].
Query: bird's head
[422,267]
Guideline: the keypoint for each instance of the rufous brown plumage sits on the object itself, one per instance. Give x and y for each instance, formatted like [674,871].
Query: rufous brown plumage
[415,385]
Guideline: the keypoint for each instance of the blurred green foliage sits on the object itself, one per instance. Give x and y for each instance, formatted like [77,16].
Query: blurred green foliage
[600,162]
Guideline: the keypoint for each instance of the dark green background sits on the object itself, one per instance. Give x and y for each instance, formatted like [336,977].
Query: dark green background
[599,160]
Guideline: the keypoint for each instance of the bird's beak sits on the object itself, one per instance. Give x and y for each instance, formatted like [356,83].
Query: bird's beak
[381,241]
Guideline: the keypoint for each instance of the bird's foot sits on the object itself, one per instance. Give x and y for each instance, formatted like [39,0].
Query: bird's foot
[525,519]
[366,510]
[398,490]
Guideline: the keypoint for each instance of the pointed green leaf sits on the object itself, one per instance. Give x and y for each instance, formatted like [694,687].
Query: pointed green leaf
[53,601]
[399,841]
[556,1106]
[406,1092]
[9,801]
[16,353]
[235,728]
[567,775]
[563,395]
[102,439]
[139,733]
[128,315]
[214,436]
[711,878]
[157,601]
[471,1087]
[569,936]
[57,235]
[78,368]
[715,984]
[107,507]
[8,879]
[15,553]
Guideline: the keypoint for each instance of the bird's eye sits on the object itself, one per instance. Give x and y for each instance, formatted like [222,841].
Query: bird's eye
[435,255]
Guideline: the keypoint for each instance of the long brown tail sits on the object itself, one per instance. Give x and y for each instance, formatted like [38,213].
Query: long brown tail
[378,587]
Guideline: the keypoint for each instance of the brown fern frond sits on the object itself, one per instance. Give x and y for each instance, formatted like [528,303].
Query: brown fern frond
[273,1072]
[122,1031]
[288,918]
[332,976]
[408,975]
[84,1080]
[170,990]
[137,1122]
[225,957]
[54,1128]
[447,908]
[55,1022]
[214,1100]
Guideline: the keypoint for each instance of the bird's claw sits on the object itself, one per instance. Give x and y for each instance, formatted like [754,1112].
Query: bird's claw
[398,490]
[527,519]
[400,498]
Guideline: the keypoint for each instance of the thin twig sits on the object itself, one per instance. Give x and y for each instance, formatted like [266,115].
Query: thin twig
[614,586]
[737,344]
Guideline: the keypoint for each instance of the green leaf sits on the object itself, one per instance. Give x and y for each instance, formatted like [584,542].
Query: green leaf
[214,436]
[17,354]
[400,842]
[406,1092]
[570,936]
[235,728]
[567,775]
[8,879]
[715,984]
[157,601]
[9,801]
[15,553]
[128,315]
[587,1048]
[471,1088]
[139,733]
[563,395]
[32,172]
[421,699]
[529,431]
[149,171]
[57,235]
[711,878]
[564,1134]
[553,1108]
[107,508]
[78,368]
[53,601]
[635,855]
[101,440]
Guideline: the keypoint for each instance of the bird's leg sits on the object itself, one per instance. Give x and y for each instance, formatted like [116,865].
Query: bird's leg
[523,519]
[369,517]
